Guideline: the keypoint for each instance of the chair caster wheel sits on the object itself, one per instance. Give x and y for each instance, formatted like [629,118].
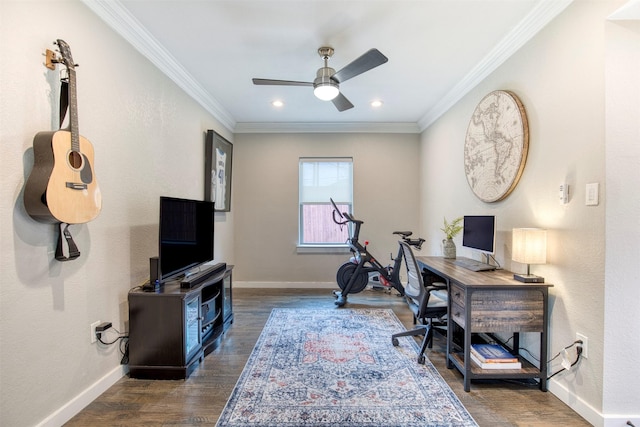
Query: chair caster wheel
[421,359]
[395,342]
[340,301]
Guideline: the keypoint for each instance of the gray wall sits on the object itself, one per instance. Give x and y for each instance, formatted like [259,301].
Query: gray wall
[265,187]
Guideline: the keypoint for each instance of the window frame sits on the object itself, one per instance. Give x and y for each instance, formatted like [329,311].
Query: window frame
[320,247]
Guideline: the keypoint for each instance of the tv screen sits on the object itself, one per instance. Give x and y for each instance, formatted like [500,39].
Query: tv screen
[479,233]
[186,234]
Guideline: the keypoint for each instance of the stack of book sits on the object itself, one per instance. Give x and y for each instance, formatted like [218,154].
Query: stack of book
[493,356]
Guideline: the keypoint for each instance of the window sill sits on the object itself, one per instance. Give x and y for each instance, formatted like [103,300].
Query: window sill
[322,249]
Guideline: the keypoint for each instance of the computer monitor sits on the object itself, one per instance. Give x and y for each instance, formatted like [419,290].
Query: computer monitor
[479,233]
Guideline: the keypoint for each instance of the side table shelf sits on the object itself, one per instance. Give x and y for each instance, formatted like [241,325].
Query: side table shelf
[172,329]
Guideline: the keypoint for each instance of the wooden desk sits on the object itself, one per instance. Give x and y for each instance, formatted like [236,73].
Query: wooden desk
[492,301]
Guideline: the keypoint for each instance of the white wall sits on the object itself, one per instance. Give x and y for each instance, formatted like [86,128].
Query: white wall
[560,77]
[149,141]
[622,293]
[385,168]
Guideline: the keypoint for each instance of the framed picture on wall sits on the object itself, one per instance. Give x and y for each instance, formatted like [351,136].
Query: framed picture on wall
[218,159]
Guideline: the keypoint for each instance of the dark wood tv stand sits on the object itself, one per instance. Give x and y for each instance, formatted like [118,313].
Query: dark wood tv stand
[173,328]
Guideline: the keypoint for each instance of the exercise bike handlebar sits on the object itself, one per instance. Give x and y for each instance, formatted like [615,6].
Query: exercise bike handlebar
[343,215]
[416,243]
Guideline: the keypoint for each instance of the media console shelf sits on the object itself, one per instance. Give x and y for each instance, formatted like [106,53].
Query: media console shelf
[490,302]
[173,328]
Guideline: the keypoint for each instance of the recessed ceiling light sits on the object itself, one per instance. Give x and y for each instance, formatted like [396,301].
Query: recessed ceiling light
[277,103]
[376,104]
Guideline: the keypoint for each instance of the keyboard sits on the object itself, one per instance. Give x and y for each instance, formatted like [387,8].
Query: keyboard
[473,265]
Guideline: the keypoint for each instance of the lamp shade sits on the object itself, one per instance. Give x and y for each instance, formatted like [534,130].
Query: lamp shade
[529,245]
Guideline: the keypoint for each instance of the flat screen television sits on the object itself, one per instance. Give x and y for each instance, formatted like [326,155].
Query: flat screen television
[186,235]
[479,233]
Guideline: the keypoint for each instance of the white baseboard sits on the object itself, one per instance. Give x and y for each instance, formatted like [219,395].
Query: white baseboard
[78,403]
[588,412]
[581,407]
[285,285]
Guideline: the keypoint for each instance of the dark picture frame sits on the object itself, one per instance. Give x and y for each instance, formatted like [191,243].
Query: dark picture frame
[218,162]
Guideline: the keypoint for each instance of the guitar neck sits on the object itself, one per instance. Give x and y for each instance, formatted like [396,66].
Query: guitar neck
[73,111]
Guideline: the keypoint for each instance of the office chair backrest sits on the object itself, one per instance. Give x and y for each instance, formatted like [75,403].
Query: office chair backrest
[415,286]
[424,303]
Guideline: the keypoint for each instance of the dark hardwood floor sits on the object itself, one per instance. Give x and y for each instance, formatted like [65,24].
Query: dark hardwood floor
[199,400]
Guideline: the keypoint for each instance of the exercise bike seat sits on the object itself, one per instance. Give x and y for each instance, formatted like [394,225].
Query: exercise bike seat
[404,233]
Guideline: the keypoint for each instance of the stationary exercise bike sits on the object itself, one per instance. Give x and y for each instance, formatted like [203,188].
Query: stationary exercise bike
[353,275]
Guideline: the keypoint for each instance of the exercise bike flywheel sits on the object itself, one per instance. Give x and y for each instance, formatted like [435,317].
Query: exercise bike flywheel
[345,272]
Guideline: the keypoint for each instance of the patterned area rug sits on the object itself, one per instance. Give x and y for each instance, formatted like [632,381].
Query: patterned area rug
[339,368]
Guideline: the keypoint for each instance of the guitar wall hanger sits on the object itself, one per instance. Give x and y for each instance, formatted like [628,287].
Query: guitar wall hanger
[52,58]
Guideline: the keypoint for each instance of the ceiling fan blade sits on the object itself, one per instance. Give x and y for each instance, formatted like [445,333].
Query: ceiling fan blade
[341,102]
[366,62]
[269,82]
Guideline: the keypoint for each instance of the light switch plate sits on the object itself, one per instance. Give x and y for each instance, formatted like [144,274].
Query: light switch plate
[591,194]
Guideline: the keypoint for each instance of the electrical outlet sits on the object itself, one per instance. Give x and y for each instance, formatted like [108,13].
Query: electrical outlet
[92,328]
[585,345]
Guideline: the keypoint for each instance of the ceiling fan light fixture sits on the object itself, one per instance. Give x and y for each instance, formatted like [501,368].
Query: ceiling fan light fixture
[326,91]
[324,87]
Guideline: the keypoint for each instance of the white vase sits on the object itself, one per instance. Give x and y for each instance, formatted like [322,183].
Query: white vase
[449,249]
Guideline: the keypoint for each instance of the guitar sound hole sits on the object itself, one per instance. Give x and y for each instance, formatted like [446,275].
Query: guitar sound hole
[75,159]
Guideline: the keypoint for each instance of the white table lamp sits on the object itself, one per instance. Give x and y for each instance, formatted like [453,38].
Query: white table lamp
[529,247]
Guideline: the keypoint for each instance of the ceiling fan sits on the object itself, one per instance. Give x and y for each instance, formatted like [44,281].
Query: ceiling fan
[326,85]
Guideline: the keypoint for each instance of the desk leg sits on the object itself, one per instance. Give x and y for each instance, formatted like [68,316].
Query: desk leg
[543,362]
[543,339]
[448,362]
[467,359]
[467,343]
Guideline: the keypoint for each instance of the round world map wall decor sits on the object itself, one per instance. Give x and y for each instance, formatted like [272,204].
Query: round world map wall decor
[496,146]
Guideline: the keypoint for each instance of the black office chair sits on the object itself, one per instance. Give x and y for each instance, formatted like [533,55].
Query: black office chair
[427,302]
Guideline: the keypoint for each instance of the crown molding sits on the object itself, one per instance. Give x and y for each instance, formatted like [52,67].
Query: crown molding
[630,11]
[538,18]
[120,19]
[333,127]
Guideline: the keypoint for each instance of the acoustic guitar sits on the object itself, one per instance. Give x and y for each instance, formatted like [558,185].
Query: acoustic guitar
[62,186]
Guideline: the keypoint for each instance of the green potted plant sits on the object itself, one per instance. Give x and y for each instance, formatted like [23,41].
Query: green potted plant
[450,229]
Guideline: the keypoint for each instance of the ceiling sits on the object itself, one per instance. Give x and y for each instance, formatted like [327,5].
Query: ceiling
[438,50]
